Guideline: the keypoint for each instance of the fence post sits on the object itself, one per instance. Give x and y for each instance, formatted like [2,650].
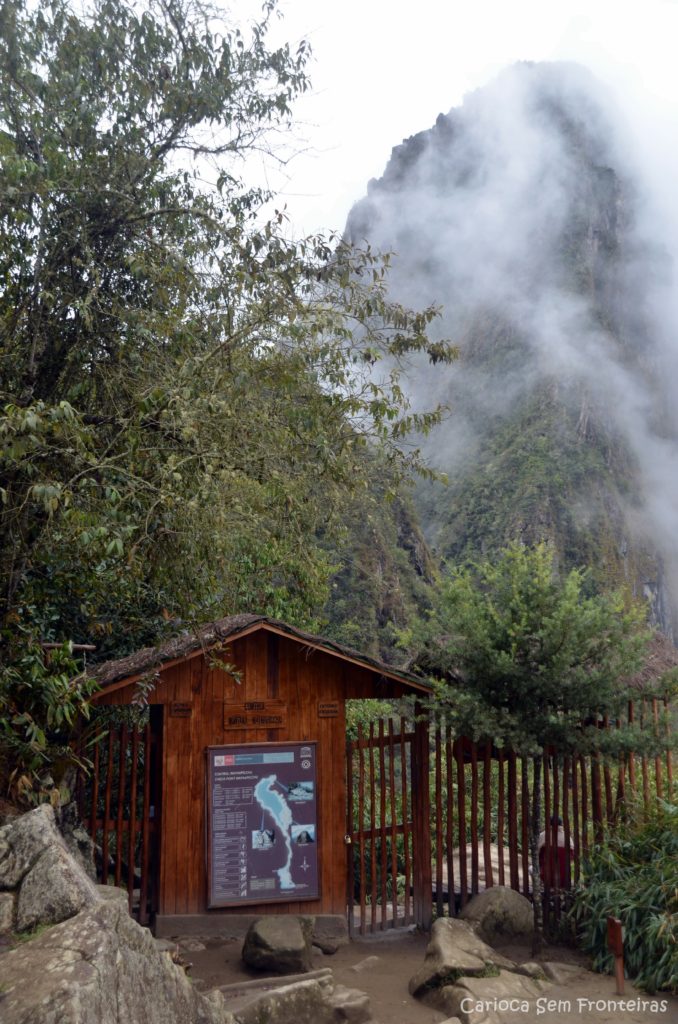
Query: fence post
[421,824]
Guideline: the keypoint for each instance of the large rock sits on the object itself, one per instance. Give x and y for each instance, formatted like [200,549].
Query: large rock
[100,967]
[55,889]
[78,840]
[6,912]
[350,1005]
[561,973]
[330,931]
[280,944]
[454,952]
[316,1000]
[290,1004]
[488,1000]
[499,913]
[23,841]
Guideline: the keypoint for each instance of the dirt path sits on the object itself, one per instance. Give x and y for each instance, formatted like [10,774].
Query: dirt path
[587,999]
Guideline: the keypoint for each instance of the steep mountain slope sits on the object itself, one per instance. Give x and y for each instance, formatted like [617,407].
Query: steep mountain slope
[521,213]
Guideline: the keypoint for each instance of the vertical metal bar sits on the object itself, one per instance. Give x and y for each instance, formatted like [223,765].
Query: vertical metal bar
[461,817]
[513,820]
[382,827]
[547,867]
[146,829]
[350,833]
[525,800]
[406,819]
[439,821]
[474,817]
[107,810]
[487,815]
[95,799]
[373,830]
[575,821]
[361,826]
[449,774]
[394,826]
[557,880]
[421,803]
[132,830]
[567,881]
[500,816]
[122,774]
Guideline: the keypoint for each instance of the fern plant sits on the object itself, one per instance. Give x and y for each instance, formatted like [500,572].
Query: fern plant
[634,876]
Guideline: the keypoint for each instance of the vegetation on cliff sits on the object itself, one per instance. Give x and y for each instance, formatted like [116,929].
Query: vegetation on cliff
[519,211]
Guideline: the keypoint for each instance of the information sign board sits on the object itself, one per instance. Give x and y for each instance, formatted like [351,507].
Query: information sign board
[262,815]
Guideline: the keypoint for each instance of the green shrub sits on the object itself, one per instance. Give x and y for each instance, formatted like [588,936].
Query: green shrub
[634,876]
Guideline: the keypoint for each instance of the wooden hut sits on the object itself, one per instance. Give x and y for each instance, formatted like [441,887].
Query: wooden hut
[243,771]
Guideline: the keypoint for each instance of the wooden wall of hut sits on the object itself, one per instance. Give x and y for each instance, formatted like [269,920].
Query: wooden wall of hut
[265,667]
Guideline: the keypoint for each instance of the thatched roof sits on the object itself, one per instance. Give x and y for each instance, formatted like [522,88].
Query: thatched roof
[153,659]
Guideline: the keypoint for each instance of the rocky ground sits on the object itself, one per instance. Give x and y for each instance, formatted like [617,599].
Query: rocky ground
[383,965]
[87,962]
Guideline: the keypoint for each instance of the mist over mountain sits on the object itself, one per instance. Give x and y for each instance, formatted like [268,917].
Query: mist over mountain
[526,214]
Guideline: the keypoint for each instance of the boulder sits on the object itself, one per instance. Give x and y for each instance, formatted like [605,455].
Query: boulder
[280,944]
[330,932]
[532,969]
[349,1004]
[454,951]
[100,967]
[54,889]
[561,973]
[498,914]
[77,840]
[313,1000]
[23,841]
[6,912]
[289,1004]
[488,1000]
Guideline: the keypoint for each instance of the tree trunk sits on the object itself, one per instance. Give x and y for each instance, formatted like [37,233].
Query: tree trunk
[535,821]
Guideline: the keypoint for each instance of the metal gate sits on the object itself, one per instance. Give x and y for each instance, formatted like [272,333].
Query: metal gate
[434,819]
[120,807]
[388,877]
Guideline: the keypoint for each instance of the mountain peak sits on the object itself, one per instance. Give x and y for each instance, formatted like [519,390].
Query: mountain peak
[517,212]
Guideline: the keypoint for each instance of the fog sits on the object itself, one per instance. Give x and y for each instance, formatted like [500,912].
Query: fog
[540,214]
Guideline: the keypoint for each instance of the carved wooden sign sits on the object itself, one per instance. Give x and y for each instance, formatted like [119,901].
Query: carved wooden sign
[256,714]
[328,709]
[181,709]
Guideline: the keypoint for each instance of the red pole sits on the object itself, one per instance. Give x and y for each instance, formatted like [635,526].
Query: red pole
[615,944]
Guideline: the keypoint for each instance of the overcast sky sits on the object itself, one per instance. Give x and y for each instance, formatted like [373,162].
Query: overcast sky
[383,71]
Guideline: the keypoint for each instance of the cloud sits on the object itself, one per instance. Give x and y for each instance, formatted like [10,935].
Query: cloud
[540,214]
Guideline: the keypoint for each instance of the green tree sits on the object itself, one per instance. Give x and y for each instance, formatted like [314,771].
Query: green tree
[534,663]
[187,395]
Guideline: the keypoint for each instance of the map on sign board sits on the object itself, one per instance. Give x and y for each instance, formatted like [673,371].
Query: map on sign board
[262,816]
